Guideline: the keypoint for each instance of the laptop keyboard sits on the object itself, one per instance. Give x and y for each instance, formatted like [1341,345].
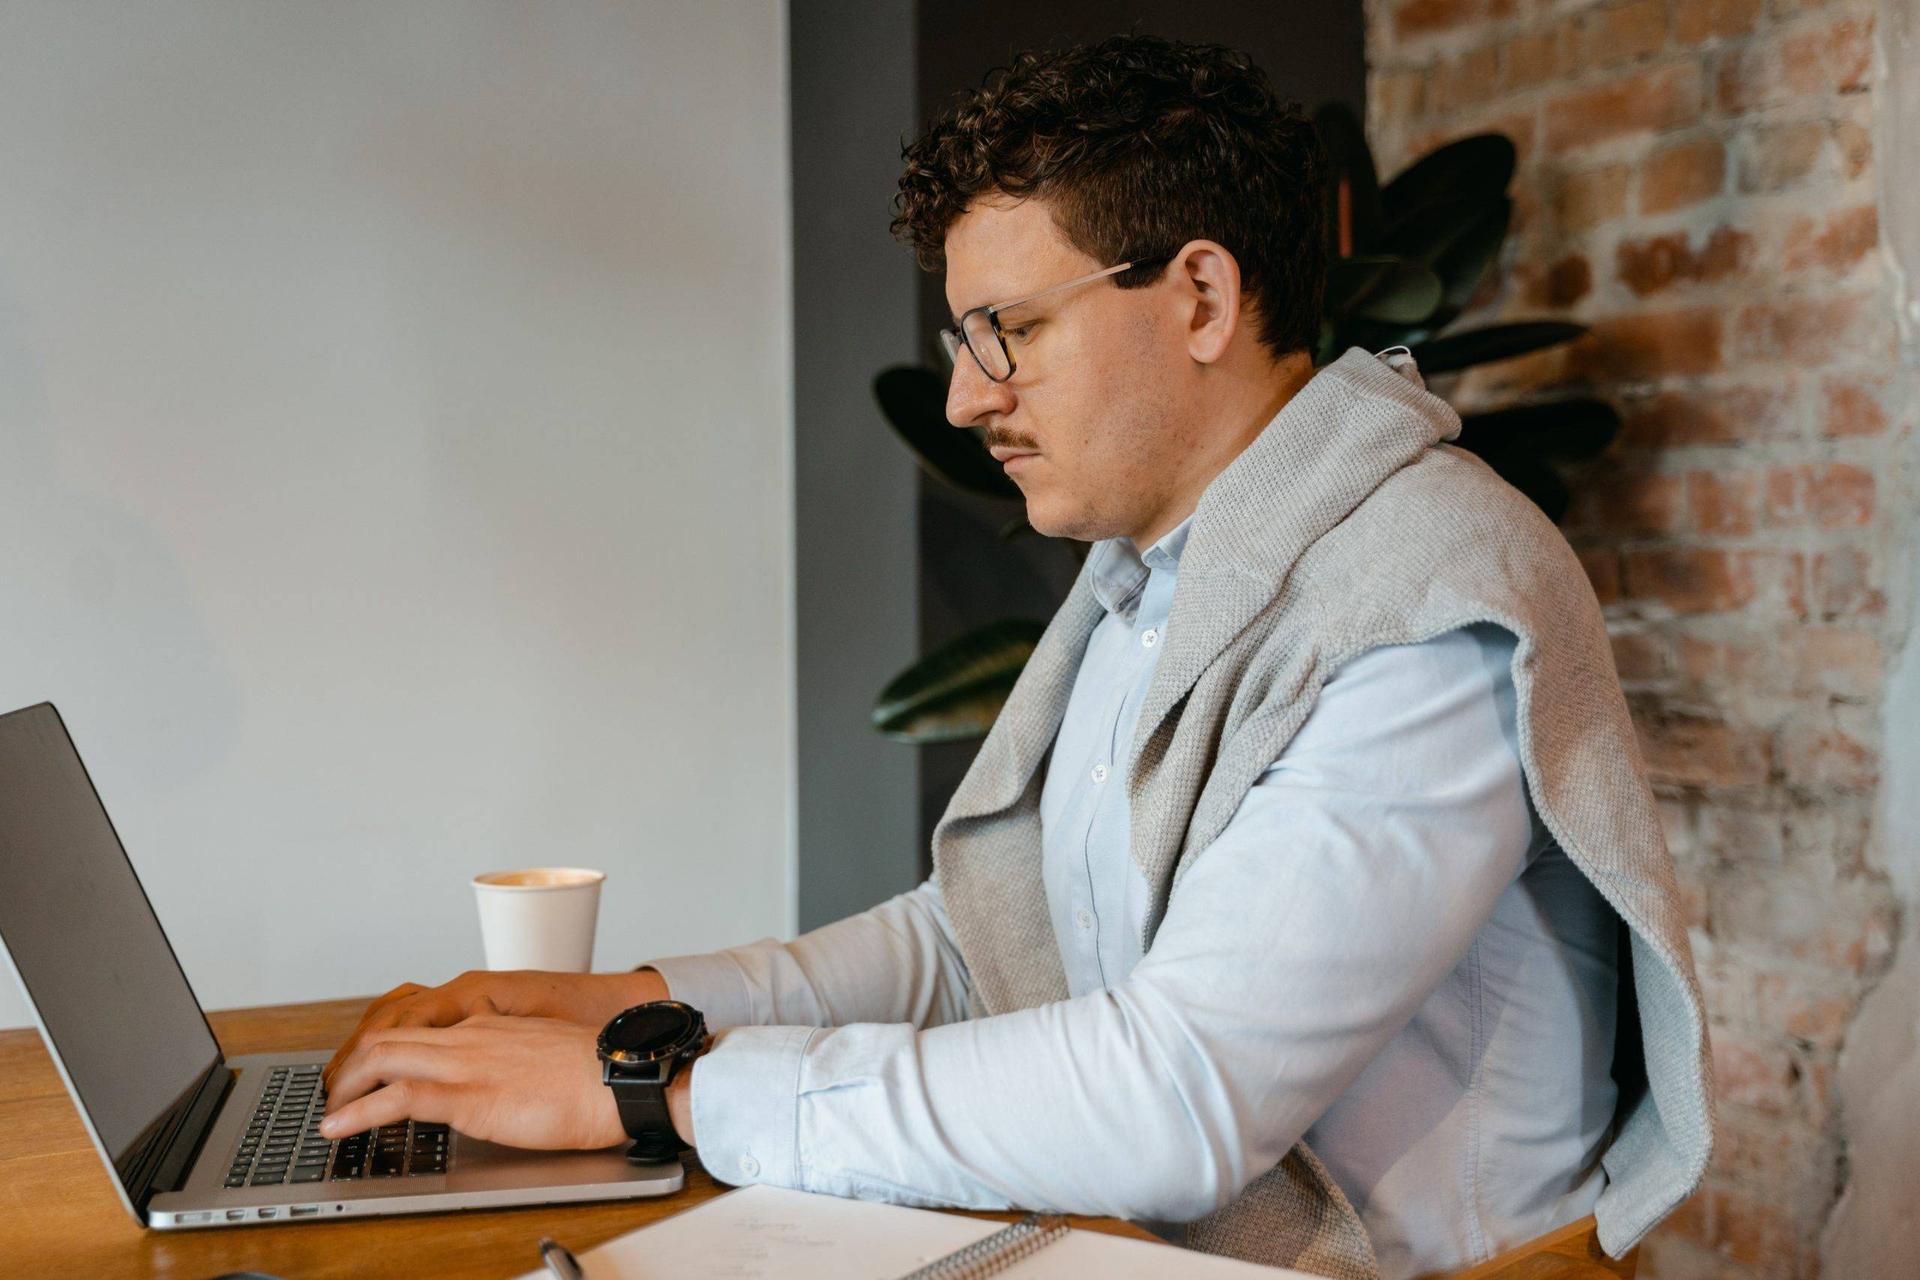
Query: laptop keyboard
[282,1143]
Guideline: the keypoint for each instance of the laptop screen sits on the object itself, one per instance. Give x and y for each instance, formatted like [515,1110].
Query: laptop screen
[88,948]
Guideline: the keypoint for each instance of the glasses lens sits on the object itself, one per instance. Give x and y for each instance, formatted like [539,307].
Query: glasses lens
[986,346]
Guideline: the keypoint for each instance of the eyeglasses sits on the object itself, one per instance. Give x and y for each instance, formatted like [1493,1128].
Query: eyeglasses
[980,330]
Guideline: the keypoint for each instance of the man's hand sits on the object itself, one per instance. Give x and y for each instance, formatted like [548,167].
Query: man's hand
[590,999]
[524,1082]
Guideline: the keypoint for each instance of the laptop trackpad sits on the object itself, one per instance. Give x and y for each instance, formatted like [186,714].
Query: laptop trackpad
[477,1165]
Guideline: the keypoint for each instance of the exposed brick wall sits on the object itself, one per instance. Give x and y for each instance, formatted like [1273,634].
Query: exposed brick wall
[1697,182]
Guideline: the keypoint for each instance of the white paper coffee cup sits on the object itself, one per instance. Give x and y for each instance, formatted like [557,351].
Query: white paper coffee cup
[539,917]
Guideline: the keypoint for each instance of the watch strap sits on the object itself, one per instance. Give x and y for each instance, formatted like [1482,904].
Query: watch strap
[645,1117]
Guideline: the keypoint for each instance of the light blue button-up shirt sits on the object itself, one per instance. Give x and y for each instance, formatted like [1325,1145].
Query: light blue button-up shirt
[1384,952]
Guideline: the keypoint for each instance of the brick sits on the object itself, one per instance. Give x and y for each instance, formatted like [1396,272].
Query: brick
[1835,58]
[1570,280]
[1746,77]
[1698,751]
[1846,583]
[1729,415]
[1603,572]
[1752,1231]
[1534,58]
[1854,142]
[1842,661]
[1852,406]
[1639,655]
[1742,836]
[1697,21]
[1686,579]
[1622,32]
[1772,159]
[1811,330]
[1814,751]
[1799,1007]
[1704,661]
[1653,344]
[1723,502]
[1832,835]
[1655,263]
[1633,502]
[1682,174]
[1827,495]
[1466,81]
[1662,98]
[1396,96]
[1843,926]
[1834,245]
[1586,198]
[1418,18]
[1689,580]
[1750,1070]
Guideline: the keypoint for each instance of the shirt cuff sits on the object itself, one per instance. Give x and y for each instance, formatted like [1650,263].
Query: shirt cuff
[746,1105]
[712,983]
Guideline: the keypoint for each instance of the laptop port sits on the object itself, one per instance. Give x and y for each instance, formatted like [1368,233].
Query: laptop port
[305,1210]
[192,1217]
[234,1215]
[269,1213]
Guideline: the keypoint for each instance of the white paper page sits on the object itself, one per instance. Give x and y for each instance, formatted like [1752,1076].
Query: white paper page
[764,1231]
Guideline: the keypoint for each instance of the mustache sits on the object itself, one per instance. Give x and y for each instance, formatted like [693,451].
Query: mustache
[1005,440]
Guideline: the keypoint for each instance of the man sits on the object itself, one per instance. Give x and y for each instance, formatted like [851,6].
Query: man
[1307,899]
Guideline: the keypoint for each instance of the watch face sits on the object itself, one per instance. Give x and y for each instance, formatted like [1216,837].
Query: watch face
[641,1033]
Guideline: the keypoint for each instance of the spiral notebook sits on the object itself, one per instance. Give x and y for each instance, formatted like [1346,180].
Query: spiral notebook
[763,1231]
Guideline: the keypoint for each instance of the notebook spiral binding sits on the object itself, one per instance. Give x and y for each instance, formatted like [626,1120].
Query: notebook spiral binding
[995,1253]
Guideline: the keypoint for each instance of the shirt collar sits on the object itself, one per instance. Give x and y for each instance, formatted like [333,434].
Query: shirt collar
[1117,571]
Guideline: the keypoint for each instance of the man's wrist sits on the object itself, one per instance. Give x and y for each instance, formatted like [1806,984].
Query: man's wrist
[646,985]
[680,1097]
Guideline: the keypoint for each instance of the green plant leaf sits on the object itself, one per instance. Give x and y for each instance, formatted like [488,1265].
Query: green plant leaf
[1466,261]
[1407,296]
[1568,430]
[1353,183]
[1494,342]
[954,693]
[1479,166]
[1428,238]
[914,403]
[1382,288]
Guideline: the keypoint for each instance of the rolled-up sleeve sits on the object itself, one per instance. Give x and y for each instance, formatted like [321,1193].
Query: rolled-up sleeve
[1351,880]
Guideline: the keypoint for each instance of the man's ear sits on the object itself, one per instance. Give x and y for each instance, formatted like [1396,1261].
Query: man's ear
[1209,293]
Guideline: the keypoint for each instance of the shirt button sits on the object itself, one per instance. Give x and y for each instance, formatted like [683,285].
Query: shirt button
[1083,918]
[750,1166]
[1149,637]
[1099,773]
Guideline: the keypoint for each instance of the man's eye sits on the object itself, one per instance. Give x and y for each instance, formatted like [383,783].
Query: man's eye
[1020,332]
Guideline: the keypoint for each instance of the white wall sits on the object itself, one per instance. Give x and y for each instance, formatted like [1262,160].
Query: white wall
[395,465]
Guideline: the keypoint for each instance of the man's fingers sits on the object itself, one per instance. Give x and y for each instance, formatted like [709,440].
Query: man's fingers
[427,1101]
[394,1055]
[400,1007]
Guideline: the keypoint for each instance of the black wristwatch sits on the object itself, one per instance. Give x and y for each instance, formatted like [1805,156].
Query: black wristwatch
[640,1050]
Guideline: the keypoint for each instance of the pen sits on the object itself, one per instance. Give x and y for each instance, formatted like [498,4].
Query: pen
[560,1260]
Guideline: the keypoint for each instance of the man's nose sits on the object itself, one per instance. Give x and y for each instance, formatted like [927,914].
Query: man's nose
[971,393]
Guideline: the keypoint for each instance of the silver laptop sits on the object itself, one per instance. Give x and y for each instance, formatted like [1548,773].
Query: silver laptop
[191,1138]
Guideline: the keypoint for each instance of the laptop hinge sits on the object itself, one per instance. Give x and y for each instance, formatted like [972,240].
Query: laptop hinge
[196,1122]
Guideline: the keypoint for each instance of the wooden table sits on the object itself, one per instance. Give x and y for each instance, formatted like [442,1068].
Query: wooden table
[59,1216]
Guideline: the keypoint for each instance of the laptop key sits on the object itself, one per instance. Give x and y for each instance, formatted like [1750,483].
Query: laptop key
[313,1174]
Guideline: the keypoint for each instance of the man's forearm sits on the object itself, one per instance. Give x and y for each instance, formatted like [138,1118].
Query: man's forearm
[897,962]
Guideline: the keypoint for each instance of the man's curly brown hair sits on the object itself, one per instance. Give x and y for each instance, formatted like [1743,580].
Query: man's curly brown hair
[1139,144]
